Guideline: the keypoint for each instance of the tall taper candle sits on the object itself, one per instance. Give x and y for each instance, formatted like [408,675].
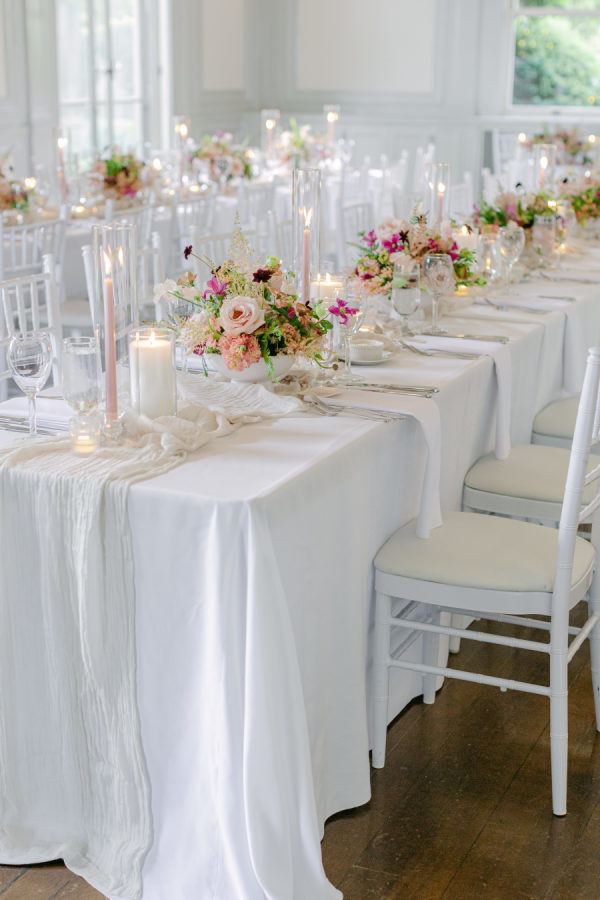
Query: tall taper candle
[110,354]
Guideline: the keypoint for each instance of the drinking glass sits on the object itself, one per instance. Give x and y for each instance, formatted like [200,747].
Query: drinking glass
[29,360]
[490,257]
[438,275]
[356,300]
[81,373]
[544,231]
[512,242]
[406,293]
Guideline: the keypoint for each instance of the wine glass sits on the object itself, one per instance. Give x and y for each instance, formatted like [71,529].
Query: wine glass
[352,312]
[512,242]
[406,293]
[490,257]
[438,275]
[81,373]
[30,360]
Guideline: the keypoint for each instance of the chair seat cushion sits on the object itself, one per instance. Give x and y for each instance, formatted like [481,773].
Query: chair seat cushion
[558,418]
[531,471]
[478,551]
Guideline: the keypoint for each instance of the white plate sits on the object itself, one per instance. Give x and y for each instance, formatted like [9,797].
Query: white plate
[387,354]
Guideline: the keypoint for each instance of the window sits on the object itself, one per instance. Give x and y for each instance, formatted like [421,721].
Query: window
[101,73]
[556,53]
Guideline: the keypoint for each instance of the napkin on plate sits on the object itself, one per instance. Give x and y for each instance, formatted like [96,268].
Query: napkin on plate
[544,304]
[500,356]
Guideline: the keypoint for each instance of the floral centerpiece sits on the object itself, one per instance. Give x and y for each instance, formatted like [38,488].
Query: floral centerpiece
[519,208]
[300,147]
[224,160]
[121,174]
[246,313]
[398,241]
[571,146]
[584,197]
[13,194]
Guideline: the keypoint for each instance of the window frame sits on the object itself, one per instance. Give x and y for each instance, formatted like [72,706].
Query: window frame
[542,110]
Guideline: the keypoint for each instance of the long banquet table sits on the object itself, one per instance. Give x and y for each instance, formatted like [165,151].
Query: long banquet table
[253,579]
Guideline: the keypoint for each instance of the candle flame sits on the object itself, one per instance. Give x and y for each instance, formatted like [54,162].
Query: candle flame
[327,278]
[270,124]
[30,183]
[591,138]
[61,143]
[544,162]
[152,336]
[441,187]
[307,218]
[156,164]
[464,230]
[120,255]
[522,137]
[332,117]
[107,265]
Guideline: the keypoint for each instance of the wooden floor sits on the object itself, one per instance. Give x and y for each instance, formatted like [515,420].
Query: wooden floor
[461,810]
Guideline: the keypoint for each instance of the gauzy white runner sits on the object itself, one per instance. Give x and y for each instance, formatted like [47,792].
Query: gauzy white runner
[73,782]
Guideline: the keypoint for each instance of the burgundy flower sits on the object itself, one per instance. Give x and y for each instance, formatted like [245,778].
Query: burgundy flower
[187,252]
[262,275]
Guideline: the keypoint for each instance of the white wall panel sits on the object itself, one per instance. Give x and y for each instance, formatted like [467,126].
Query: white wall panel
[346,45]
[223,39]
[3,60]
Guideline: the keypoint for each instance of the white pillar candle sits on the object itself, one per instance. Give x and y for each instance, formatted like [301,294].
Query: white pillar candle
[152,375]
[465,239]
[326,288]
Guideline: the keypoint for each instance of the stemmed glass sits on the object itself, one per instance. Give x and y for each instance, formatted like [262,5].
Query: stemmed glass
[512,242]
[490,258]
[438,275]
[350,315]
[30,360]
[81,373]
[406,293]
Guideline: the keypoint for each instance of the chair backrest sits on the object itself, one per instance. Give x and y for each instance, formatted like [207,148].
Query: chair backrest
[30,303]
[140,216]
[352,218]
[461,198]
[587,432]
[23,247]
[213,248]
[190,214]
[280,239]
[150,271]
[406,204]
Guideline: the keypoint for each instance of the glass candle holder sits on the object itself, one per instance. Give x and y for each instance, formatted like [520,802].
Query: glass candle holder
[438,193]
[152,375]
[181,130]
[85,434]
[114,311]
[306,199]
[544,166]
[269,122]
[543,237]
[332,115]
[61,138]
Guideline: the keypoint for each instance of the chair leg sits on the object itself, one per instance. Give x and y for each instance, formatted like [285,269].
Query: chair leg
[431,643]
[594,609]
[381,669]
[454,642]
[559,729]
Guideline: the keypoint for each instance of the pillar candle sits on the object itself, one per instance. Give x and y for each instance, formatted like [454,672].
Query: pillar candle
[152,376]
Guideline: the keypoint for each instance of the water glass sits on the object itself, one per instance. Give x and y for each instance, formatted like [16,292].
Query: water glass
[438,275]
[30,360]
[348,326]
[544,234]
[81,372]
[406,293]
[512,242]
[490,257]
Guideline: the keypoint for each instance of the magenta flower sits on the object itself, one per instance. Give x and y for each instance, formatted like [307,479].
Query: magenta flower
[214,287]
[370,238]
[393,245]
[341,309]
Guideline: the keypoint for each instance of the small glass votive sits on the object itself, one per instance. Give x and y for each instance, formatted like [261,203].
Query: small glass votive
[152,372]
[85,434]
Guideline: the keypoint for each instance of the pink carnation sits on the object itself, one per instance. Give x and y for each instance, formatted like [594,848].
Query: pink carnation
[239,351]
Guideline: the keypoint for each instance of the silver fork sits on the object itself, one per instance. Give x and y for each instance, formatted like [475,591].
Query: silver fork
[325,409]
[505,307]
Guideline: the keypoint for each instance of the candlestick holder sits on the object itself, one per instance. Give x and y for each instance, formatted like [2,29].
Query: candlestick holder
[61,140]
[114,314]
[152,372]
[306,198]
[544,166]
[269,122]
[181,130]
[332,115]
[438,193]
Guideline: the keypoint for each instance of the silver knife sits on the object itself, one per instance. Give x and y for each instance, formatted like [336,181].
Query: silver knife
[493,338]
[557,297]
[396,387]
[384,390]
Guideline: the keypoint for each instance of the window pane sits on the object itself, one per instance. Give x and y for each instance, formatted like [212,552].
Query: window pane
[128,126]
[124,29]
[563,4]
[78,120]
[73,67]
[557,61]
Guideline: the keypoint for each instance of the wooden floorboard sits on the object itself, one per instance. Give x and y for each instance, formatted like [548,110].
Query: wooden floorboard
[462,809]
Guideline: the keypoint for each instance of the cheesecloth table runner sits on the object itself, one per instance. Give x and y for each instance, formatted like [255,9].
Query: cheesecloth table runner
[73,782]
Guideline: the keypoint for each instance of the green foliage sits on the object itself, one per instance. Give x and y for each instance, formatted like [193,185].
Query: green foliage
[557,61]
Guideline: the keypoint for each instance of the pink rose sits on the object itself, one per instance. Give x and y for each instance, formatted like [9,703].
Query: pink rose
[240,315]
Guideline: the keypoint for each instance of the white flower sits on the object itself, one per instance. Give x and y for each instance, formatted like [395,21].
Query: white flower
[240,315]
[166,287]
[189,292]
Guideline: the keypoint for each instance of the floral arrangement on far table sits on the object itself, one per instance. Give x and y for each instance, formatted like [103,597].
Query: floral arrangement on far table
[584,197]
[300,147]
[224,160]
[246,312]
[571,146]
[519,208]
[13,194]
[397,240]
[121,173]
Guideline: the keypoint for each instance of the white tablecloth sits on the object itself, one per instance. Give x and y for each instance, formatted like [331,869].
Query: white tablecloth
[253,574]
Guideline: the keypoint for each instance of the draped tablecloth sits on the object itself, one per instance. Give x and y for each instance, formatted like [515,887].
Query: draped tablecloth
[253,583]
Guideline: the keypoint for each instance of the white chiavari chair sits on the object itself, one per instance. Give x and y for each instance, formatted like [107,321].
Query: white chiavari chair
[140,216]
[352,218]
[255,201]
[405,205]
[189,214]
[280,239]
[461,198]
[30,303]
[506,571]
[23,247]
